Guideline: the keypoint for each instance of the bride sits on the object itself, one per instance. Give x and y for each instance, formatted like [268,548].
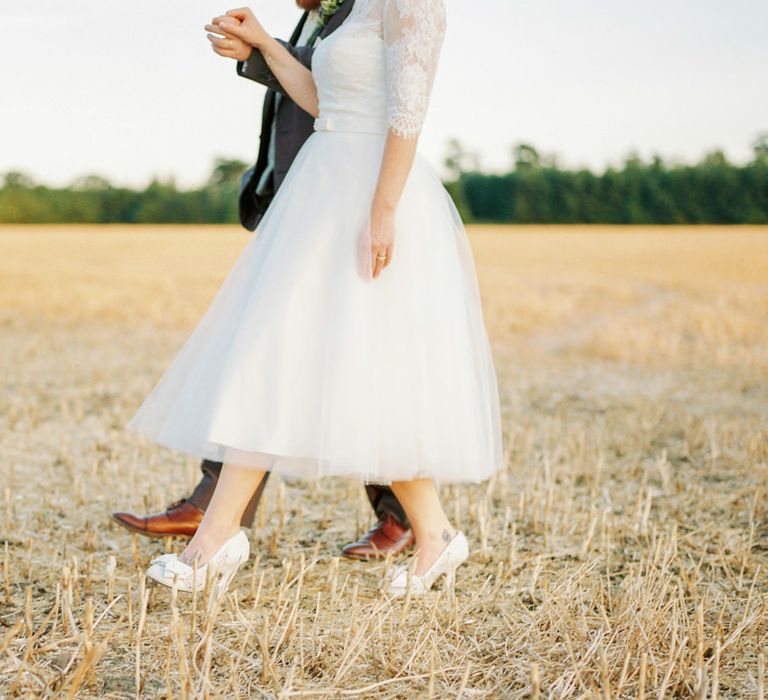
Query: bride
[348,339]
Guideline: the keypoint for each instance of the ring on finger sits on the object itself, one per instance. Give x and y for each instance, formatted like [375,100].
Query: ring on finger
[229,43]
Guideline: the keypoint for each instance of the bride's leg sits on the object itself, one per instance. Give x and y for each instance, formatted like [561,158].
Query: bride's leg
[431,527]
[221,521]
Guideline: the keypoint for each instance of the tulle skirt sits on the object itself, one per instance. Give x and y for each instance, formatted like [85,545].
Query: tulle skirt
[306,366]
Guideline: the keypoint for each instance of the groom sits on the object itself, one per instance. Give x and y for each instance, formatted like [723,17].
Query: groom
[284,129]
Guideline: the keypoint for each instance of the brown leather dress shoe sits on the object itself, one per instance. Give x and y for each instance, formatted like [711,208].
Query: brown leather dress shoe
[180,519]
[385,537]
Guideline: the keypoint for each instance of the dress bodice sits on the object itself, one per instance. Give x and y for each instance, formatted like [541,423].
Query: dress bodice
[375,72]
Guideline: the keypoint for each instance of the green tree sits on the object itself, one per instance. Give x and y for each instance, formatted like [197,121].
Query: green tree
[226,172]
[525,156]
[760,148]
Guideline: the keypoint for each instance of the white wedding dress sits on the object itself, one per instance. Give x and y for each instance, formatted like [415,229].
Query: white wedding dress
[303,364]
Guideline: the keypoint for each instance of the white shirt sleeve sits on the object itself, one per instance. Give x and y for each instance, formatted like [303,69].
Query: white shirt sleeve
[309,27]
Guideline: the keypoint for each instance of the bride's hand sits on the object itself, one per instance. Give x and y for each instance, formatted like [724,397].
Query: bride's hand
[243,24]
[225,43]
[382,238]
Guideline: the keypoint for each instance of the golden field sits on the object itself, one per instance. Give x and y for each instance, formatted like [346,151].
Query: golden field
[622,553]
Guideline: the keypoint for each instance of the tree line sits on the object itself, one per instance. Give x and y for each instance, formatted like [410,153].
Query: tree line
[94,200]
[537,191]
[534,190]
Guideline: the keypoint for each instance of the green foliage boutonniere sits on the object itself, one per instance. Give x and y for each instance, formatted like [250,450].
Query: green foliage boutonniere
[328,8]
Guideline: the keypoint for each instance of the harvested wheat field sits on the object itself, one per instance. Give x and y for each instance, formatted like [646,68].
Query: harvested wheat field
[622,553]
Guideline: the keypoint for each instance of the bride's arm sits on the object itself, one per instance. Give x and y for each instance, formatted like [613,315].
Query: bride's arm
[396,165]
[413,34]
[256,68]
[295,78]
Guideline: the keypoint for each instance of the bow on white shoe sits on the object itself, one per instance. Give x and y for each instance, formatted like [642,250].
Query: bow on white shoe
[169,570]
[454,554]
[162,558]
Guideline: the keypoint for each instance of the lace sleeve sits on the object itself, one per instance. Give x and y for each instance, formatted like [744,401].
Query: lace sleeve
[413,34]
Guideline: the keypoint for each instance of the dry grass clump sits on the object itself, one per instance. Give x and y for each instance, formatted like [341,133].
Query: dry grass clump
[621,553]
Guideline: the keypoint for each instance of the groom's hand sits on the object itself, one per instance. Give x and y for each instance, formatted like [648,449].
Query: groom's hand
[226,44]
[243,23]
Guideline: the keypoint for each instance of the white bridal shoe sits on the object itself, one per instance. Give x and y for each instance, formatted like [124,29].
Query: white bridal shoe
[454,554]
[167,569]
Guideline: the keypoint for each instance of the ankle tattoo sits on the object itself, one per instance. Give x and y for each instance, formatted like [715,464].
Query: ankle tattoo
[446,536]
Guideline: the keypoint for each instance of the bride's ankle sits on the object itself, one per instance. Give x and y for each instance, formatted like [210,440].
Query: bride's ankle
[430,546]
[438,538]
[220,529]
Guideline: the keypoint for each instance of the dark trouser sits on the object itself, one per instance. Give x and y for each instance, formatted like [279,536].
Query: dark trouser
[382,499]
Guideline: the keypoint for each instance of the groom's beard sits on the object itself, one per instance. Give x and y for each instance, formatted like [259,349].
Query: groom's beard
[308,4]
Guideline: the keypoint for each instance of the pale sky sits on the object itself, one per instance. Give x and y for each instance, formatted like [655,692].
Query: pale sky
[131,90]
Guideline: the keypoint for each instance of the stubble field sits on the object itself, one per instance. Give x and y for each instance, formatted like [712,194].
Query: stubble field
[621,553]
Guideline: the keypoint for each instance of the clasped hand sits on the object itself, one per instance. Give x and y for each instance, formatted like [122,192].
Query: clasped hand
[236,33]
